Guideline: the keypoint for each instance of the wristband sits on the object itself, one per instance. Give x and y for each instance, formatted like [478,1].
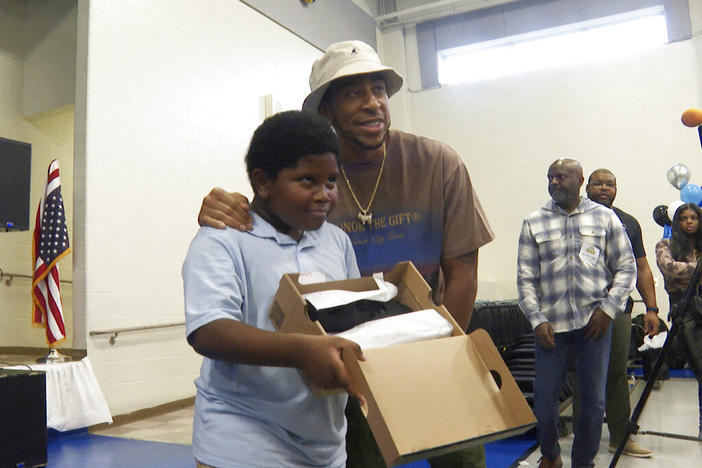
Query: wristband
[652,309]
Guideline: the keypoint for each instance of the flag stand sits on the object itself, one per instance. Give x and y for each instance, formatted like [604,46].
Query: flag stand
[53,356]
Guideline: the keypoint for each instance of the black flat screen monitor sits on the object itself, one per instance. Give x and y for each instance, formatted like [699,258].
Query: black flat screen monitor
[15,182]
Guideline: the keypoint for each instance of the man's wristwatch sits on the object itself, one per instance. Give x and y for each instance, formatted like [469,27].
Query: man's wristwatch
[652,309]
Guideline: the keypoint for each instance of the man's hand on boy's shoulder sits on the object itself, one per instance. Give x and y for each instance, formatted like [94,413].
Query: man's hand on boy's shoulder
[221,209]
[320,361]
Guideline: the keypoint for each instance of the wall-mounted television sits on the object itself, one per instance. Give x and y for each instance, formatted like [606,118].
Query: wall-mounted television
[15,183]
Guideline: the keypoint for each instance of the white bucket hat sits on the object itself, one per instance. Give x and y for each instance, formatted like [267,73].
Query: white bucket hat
[345,59]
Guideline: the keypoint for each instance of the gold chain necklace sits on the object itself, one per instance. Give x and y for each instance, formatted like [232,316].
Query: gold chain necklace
[364,215]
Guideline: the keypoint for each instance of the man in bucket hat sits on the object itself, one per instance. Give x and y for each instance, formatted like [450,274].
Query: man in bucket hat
[401,197]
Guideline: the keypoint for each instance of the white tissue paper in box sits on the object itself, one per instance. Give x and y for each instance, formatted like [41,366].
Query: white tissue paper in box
[404,328]
[337,297]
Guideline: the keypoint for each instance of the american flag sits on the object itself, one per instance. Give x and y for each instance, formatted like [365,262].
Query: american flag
[50,245]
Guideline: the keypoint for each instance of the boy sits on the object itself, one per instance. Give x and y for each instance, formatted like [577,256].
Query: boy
[253,407]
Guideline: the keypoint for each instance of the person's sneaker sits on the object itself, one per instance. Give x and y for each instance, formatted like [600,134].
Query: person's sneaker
[632,449]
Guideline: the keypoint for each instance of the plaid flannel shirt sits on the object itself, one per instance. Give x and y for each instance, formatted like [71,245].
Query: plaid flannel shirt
[571,263]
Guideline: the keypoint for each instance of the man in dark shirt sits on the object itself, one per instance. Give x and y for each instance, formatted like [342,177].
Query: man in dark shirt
[602,188]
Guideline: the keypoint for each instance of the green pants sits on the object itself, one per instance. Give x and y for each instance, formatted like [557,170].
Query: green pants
[617,405]
[691,334]
[363,452]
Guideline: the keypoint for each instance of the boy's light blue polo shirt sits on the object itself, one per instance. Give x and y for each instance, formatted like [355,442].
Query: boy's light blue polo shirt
[253,415]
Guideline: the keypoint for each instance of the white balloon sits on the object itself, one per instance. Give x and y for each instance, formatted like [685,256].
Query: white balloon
[673,207]
[678,175]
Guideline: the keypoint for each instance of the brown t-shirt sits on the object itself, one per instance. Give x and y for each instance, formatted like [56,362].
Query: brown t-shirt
[425,209]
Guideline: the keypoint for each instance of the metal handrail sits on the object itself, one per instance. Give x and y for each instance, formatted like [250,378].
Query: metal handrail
[12,276]
[116,331]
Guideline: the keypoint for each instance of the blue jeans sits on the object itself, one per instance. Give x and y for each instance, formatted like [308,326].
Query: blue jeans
[591,361]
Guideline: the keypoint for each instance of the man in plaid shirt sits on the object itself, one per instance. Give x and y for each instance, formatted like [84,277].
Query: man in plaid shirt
[575,272]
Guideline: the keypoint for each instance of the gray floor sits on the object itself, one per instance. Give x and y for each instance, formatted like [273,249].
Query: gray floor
[175,427]
[673,408]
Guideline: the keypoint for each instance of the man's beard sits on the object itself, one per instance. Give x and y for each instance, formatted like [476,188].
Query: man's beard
[358,142]
[604,201]
[561,197]
[371,147]
[340,134]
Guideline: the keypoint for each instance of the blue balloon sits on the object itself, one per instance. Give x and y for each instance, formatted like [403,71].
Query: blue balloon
[667,231]
[691,193]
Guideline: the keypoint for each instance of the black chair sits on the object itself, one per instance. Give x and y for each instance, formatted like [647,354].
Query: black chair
[514,337]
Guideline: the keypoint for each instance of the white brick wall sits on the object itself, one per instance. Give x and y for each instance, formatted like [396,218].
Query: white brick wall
[173,92]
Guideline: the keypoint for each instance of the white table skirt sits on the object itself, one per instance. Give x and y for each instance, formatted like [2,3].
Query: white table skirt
[73,397]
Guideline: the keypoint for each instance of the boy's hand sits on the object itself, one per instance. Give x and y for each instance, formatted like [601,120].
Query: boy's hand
[220,209]
[320,361]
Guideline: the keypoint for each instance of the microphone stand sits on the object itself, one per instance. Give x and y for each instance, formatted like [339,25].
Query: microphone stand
[677,313]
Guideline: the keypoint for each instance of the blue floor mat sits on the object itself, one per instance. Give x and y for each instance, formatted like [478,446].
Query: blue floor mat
[83,449]
[505,453]
[499,454]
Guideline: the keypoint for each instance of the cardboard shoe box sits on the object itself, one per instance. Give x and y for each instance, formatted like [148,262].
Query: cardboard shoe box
[424,398]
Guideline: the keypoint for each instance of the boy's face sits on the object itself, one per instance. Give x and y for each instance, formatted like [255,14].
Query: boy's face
[301,197]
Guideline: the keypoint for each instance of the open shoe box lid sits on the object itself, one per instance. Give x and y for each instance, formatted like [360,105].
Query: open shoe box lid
[424,398]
